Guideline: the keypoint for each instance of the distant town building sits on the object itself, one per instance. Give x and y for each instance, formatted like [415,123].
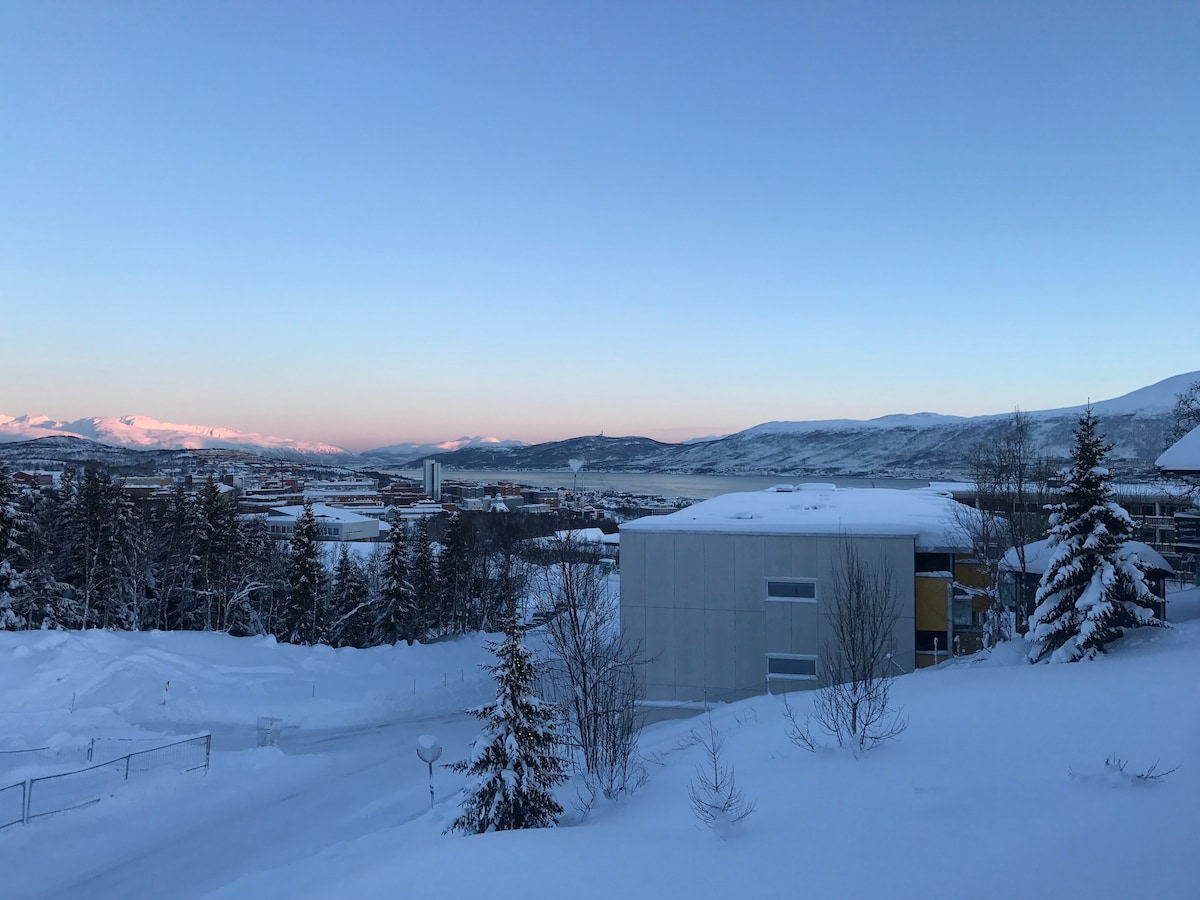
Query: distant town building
[422,509]
[432,479]
[333,523]
[1183,459]
[731,597]
[347,492]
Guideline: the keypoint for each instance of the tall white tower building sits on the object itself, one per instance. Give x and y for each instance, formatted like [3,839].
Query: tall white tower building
[433,479]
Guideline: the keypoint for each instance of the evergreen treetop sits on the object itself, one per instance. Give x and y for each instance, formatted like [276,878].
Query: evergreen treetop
[11,553]
[514,765]
[306,602]
[398,618]
[1093,589]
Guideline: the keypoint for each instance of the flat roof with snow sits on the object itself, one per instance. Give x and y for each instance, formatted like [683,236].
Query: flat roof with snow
[932,518]
[321,511]
[1183,455]
[1037,557]
[588,536]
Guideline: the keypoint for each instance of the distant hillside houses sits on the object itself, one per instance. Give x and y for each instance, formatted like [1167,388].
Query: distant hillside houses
[1182,460]
[1157,508]
[1020,585]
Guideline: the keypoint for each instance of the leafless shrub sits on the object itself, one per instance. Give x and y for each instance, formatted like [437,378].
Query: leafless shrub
[1115,773]
[716,799]
[853,704]
[595,670]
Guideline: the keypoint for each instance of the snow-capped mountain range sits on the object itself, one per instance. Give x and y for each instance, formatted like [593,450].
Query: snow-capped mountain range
[406,452]
[917,445]
[145,433]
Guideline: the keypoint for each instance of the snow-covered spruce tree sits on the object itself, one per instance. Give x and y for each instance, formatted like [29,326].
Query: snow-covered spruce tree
[174,557]
[100,527]
[11,554]
[398,618]
[454,569]
[1093,589]
[514,766]
[217,573]
[426,583]
[306,617]
[44,601]
[349,602]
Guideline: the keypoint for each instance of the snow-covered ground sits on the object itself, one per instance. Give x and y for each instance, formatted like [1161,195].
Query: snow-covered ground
[976,799]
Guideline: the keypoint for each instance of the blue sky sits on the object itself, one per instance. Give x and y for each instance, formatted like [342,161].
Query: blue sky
[367,223]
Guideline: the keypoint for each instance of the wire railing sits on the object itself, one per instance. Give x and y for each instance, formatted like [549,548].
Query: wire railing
[110,748]
[42,757]
[23,755]
[12,804]
[49,795]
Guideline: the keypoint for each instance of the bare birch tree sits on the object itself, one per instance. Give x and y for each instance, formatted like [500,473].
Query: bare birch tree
[1011,494]
[595,671]
[853,704]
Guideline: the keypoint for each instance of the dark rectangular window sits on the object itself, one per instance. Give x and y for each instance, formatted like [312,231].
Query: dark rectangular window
[792,590]
[933,562]
[792,667]
[964,614]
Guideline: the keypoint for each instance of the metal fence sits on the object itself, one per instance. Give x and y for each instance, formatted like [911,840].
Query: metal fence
[24,755]
[12,804]
[52,794]
[41,756]
[111,748]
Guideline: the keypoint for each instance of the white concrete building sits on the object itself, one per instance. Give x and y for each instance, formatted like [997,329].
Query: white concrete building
[334,523]
[422,509]
[431,471]
[729,598]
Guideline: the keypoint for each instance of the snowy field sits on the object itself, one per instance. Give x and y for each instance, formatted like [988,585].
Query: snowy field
[997,789]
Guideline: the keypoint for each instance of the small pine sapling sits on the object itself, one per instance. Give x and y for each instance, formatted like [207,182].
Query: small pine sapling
[717,801]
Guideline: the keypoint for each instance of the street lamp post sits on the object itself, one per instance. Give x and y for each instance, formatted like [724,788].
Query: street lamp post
[576,465]
[429,749]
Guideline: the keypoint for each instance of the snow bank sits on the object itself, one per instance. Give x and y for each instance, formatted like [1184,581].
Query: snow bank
[68,687]
[976,799]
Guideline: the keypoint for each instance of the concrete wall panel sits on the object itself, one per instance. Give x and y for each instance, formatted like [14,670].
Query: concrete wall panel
[749,564]
[749,650]
[719,568]
[718,650]
[689,571]
[689,651]
[659,645]
[660,570]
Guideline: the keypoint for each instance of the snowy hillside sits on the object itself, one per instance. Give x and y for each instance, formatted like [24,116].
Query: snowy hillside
[998,788]
[142,432]
[1151,400]
[399,454]
[922,445]
[918,445]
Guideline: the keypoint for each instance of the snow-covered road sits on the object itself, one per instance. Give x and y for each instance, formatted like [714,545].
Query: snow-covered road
[185,836]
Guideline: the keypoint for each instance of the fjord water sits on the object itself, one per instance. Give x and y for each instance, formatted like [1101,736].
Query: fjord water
[654,484]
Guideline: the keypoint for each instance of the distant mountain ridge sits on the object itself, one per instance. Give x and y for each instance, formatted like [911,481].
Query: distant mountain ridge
[145,433]
[407,452]
[916,445]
